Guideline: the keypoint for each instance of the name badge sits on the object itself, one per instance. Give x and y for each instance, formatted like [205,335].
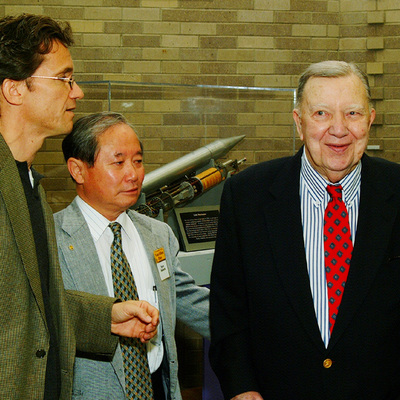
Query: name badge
[161,261]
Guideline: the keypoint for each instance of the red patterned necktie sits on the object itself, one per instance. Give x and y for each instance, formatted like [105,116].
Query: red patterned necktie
[338,248]
[138,384]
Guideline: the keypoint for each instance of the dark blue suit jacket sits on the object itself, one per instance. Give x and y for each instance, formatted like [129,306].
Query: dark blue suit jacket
[265,335]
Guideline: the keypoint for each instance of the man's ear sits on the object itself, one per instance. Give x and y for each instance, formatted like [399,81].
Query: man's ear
[76,169]
[297,120]
[372,115]
[13,91]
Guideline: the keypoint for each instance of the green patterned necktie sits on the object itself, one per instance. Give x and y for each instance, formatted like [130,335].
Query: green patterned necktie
[137,373]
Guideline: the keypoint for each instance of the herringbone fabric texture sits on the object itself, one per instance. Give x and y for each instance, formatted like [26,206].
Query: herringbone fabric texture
[338,249]
[137,374]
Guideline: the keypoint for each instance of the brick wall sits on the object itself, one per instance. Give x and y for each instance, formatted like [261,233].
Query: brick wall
[228,43]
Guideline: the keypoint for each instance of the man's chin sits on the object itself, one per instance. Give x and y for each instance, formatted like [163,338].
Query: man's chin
[129,204]
[65,130]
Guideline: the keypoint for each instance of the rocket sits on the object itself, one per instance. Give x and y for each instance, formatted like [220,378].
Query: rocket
[188,163]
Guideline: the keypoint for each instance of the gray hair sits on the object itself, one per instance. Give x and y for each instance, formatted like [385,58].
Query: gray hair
[82,142]
[331,69]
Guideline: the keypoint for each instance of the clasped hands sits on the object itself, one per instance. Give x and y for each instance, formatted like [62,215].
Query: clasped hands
[134,318]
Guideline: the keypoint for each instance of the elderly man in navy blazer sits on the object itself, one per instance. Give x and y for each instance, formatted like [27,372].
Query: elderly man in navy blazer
[105,159]
[277,331]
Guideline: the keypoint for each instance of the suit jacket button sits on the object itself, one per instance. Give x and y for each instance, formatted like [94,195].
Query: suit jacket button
[327,363]
[40,353]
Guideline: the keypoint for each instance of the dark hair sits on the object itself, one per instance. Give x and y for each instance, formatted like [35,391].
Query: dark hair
[331,69]
[82,142]
[25,40]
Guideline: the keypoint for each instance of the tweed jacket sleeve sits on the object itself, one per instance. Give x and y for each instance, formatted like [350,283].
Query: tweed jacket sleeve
[90,315]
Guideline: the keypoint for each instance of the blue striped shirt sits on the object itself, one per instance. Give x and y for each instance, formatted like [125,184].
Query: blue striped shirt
[314,199]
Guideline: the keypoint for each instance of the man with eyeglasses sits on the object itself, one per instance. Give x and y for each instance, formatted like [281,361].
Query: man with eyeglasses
[42,325]
[70,80]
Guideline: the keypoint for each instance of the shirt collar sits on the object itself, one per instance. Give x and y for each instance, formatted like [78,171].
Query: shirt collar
[97,223]
[34,176]
[316,184]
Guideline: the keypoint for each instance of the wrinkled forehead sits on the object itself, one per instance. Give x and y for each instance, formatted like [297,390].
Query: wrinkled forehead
[56,62]
[321,88]
[119,138]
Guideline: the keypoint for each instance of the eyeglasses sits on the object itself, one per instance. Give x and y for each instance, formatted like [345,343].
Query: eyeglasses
[70,81]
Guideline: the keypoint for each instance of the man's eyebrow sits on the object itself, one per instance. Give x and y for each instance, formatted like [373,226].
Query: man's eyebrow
[317,106]
[357,106]
[121,154]
[66,70]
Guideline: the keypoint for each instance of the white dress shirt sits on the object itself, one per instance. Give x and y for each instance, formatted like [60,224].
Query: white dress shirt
[137,257]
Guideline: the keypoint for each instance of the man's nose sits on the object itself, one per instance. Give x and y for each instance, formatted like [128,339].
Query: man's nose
[131,172]
[76,92]
[338,125]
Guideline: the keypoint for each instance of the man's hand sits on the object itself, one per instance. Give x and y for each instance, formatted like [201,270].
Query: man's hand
[248,396]
[134,319]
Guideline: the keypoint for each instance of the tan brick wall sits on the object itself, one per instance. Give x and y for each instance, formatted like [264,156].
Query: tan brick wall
[232,43]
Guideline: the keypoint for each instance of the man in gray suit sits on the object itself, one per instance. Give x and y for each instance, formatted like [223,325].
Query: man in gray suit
[104,158]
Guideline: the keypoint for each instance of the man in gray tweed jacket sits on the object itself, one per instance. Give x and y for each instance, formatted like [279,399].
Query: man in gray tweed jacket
[42,324]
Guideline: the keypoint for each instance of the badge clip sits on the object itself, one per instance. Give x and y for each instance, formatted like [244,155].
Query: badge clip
[161,261]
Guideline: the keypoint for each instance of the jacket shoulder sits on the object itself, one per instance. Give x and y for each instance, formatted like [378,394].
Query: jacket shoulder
[144,220]
[60,216]
[382,170]
[263,175]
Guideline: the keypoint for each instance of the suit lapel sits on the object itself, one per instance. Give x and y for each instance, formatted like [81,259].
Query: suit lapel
[79,251]
[15,202]
[283,216]
[81,258]
[150,243]
[377,213]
